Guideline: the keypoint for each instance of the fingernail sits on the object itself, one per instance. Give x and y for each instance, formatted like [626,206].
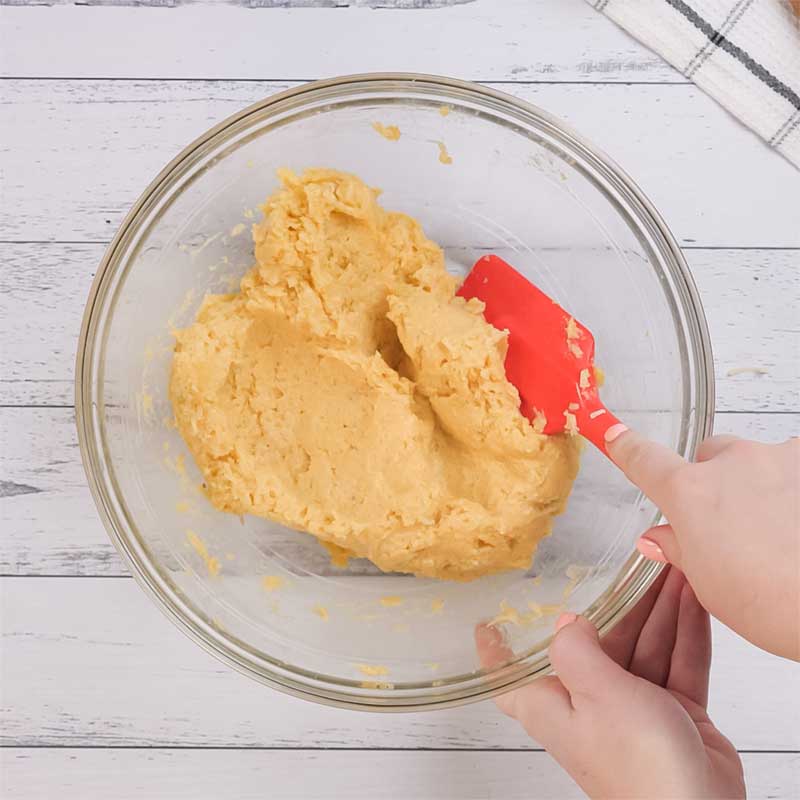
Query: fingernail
[486,636]
[565,619]
[650,549]
[614,432]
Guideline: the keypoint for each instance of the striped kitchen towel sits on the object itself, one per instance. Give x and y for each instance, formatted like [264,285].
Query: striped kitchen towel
[744,53]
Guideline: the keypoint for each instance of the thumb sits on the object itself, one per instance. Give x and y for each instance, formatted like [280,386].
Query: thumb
[660,544]
[651,466]
[582,666]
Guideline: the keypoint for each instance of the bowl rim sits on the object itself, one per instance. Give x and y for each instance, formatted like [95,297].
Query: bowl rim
[636,575]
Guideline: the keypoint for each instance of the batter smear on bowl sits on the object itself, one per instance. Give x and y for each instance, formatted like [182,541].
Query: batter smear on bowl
[345,391]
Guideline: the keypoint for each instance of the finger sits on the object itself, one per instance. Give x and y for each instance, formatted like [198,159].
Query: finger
[585,670]
[660,544]
[714,446]
[493,652]
[691,658]
[649,465]
[620,642]
[539,706]
[544,710]
[492,649]
[653,653]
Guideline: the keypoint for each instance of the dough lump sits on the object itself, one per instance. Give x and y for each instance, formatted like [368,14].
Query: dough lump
[345,391]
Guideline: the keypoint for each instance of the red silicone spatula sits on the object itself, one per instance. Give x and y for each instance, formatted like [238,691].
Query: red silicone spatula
[550,354]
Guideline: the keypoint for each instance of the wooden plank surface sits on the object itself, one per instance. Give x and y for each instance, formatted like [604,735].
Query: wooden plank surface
[252,775]
[78,153]
[92,662]
[486,39]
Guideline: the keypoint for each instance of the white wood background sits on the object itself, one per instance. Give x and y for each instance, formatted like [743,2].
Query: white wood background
[101,697]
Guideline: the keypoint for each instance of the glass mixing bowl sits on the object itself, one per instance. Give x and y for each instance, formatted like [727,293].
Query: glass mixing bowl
[266,599]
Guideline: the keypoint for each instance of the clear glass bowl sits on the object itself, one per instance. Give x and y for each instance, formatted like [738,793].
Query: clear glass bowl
[520,184]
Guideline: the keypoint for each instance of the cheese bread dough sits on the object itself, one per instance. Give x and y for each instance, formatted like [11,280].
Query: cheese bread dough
[345,391]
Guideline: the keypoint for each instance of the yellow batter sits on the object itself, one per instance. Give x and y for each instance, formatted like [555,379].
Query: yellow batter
[345,391]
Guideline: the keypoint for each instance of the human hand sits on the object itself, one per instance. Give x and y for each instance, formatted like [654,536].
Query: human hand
[734,528]
[626,717]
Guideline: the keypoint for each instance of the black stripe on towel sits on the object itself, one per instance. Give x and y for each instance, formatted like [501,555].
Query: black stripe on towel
[716,38]
[736,13]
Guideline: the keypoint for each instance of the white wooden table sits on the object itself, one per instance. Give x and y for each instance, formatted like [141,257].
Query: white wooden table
[101,697]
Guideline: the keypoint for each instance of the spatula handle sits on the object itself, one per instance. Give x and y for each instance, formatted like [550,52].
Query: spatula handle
[593,422]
